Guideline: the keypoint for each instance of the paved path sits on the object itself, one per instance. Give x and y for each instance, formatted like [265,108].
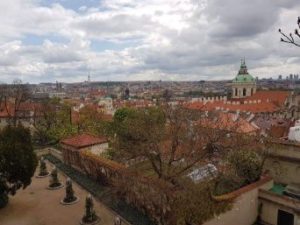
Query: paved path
[38,206]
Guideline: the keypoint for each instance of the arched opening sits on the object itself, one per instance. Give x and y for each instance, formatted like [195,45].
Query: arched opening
[244,92]
[251,91]
[236,92]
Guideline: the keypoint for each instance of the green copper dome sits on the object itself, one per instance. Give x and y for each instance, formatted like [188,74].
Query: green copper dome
[243,75]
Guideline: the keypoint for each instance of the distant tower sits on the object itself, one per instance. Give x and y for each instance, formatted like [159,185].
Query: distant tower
[89,78]
[243,85]
[126,93]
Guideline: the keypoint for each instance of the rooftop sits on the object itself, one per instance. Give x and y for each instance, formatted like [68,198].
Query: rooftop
[260,102]
[83,140]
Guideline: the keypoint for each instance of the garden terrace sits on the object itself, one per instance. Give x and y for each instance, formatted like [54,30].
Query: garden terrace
[104,193]
[36,205]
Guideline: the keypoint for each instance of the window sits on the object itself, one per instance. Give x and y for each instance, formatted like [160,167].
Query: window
[244,92]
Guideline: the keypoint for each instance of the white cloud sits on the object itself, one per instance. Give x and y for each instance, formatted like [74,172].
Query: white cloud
[162,39]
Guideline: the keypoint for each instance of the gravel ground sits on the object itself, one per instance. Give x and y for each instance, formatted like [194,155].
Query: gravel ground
[38,206]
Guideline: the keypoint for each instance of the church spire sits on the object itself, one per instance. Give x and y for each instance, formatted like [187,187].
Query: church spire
[243,68]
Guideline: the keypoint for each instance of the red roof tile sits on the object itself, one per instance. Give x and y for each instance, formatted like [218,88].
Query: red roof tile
[254,108]
[277,97]
[83,140]
[265,101]
[227,121]
[7,110]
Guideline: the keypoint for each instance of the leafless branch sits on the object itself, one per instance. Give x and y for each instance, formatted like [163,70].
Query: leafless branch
[290,38]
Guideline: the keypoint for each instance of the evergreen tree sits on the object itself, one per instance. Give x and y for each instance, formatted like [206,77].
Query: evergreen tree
[70,196]
[17,161]
[43,168]
[54,181]
[90,214]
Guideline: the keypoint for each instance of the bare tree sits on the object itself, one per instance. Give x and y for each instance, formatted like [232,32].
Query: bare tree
[170,142]
[290,38]
[174,139]
[11,98]
[44,118]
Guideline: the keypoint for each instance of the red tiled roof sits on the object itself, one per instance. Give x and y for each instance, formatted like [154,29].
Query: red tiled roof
[227,121]
[8,109]
[195,105]
[4,109]
[93,108]
[270,101]
[277,97]
[83,140]
[254,108]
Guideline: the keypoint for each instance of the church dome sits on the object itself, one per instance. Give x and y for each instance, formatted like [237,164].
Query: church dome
[243,75]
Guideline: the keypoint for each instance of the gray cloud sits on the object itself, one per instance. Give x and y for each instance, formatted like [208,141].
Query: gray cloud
[116,26]
[175,39]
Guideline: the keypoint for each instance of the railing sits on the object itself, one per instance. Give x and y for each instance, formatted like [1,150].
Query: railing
[52,151]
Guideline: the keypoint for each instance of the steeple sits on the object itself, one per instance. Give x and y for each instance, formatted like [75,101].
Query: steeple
[243,68]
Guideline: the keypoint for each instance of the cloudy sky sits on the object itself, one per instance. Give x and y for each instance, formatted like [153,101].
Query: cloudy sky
[65,40]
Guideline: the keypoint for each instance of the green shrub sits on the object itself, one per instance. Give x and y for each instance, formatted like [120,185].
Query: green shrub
[246,164]
[226,184]
[17,161]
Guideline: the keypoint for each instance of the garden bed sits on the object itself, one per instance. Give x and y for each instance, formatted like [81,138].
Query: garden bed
[63,202]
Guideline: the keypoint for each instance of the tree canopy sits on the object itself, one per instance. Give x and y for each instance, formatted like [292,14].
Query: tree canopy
[17,161]
[174,139]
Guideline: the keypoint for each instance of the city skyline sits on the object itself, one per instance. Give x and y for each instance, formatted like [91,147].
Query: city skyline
[128,40]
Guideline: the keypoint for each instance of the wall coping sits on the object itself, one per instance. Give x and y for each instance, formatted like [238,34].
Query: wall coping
[242,190]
